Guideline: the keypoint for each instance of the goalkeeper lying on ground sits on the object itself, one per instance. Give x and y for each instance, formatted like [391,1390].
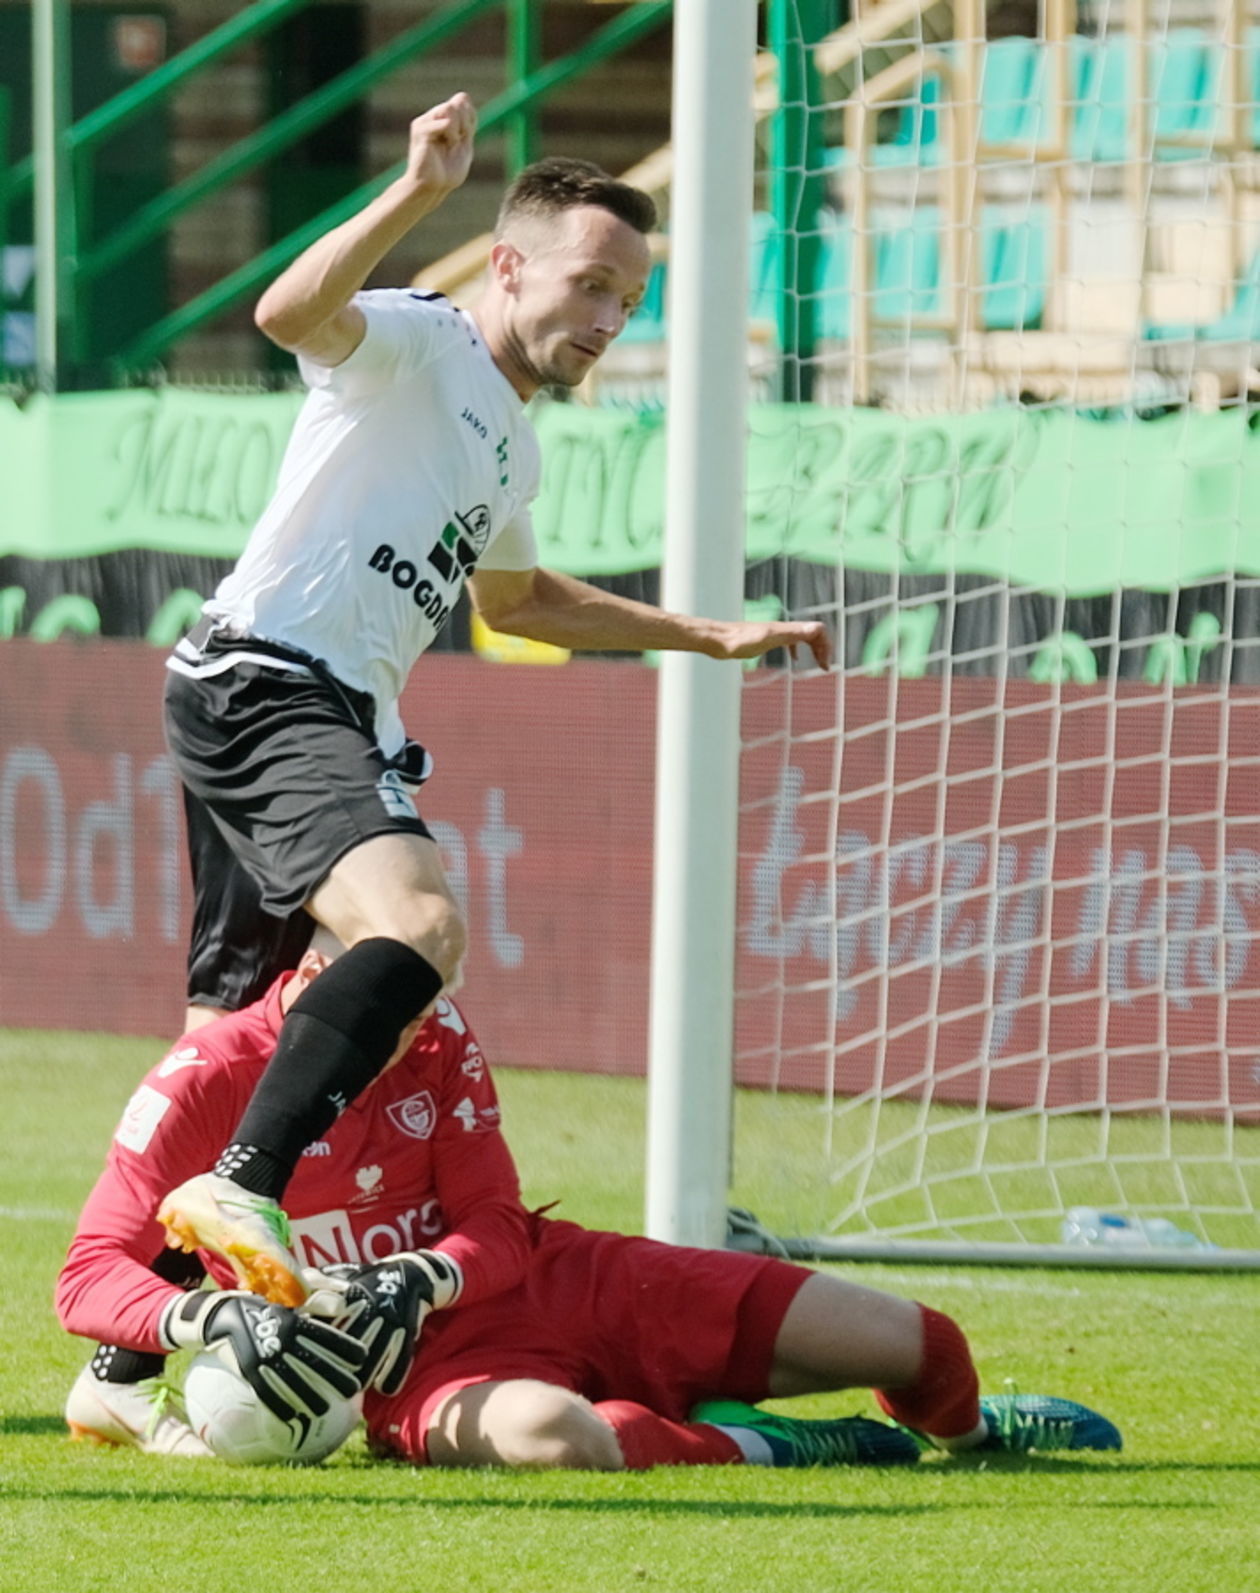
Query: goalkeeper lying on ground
[484,1333]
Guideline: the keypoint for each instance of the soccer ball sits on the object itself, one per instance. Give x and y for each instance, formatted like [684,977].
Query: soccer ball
[227,1415]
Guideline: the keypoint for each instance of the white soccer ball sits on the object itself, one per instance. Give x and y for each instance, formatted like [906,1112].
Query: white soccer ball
[227,1415]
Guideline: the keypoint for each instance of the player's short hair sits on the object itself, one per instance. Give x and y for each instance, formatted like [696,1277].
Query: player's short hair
[561,183]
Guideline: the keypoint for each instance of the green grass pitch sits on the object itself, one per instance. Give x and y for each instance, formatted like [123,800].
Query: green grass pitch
[1173,1360]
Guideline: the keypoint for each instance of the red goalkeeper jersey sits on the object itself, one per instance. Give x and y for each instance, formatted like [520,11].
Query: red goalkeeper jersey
[417,1161]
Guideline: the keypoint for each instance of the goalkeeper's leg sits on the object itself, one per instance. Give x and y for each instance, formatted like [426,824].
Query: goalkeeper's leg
[836,1334]
[534,1425]
[520,1422]
[531,1424]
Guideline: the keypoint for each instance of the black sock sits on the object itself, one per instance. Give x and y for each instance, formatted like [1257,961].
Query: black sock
[338,1035]
[112,1363]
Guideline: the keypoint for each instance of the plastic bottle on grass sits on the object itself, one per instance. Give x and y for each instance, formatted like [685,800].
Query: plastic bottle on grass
[1083,1225]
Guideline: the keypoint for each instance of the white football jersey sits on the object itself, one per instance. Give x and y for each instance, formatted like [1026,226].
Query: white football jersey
[409,463]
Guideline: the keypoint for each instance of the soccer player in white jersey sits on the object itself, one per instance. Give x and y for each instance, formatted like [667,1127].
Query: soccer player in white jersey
[409,472]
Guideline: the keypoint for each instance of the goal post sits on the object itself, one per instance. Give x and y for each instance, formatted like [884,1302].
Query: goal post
[697,765]
[997,940]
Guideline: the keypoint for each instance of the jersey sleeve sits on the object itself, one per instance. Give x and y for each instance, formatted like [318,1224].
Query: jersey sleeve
[173,1127]
[515,547]
[477,1183]
[405,331]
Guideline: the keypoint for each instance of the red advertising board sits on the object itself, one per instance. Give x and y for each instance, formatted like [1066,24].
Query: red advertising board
[1034,892]
[1018,893]
[541,801]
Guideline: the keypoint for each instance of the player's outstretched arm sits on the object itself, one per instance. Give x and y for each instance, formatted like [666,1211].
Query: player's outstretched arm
[548,607]
[307,309]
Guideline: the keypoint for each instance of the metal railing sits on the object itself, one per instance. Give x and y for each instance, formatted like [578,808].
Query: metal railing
[530,82]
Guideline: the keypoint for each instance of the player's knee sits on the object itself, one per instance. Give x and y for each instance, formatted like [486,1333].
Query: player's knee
[558,1429]
[434,928]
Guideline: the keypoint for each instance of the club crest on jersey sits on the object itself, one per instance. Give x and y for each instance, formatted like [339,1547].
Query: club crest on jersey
[416,1116]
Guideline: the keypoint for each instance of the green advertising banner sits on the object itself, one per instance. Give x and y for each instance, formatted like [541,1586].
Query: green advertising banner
[1046,500]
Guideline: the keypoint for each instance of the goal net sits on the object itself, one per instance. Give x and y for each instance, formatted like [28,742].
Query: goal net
[999,878]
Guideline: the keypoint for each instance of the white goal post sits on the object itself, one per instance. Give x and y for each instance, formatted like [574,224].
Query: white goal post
[996,879]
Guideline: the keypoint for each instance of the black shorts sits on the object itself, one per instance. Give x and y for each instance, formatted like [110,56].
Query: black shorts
[236,949]
[285,768]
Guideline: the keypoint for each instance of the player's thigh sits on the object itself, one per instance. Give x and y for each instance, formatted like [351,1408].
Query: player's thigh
[520,1422]
[393,885]
[295,783]
[837,1334]
[236,949]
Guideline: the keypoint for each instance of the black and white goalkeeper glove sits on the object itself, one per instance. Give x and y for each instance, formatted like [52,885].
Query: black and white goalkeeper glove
[295,1364]
[385,1307]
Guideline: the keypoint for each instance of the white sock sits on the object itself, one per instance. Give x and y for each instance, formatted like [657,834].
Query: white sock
[754,1448]
[961,1441]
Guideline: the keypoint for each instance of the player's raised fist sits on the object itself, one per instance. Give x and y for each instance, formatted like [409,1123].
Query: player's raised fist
[440,144]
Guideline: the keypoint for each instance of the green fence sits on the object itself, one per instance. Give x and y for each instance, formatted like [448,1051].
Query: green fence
[92,252]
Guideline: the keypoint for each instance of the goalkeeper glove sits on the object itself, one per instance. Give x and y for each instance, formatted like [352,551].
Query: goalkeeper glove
[293,1364]
[385,1307]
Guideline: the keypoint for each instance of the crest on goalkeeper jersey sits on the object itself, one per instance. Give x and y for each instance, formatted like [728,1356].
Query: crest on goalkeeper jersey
[416,1115]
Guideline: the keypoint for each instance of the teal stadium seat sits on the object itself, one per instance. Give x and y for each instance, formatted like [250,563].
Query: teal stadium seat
[764,274]
[915,123]
[1015,268]
[1252,79]
[835,279]
[832,294]
[917,139]
[1184,80]
[1100,99]
[1015,93]
[907,266]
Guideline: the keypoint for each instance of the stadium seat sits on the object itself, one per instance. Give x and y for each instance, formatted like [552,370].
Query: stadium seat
[1100,99]
[1014,93]
[915,123]
[917,140]
[1252,80]
[907,266]
[835,279]
[1184,81]
[834,275]
[765,276]
[1015,268]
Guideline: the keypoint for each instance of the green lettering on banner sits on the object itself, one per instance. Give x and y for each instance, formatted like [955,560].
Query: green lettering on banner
[1049,500]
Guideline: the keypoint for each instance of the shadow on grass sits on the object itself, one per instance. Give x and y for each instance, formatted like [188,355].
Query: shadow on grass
[29,1426]
[745,1509]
